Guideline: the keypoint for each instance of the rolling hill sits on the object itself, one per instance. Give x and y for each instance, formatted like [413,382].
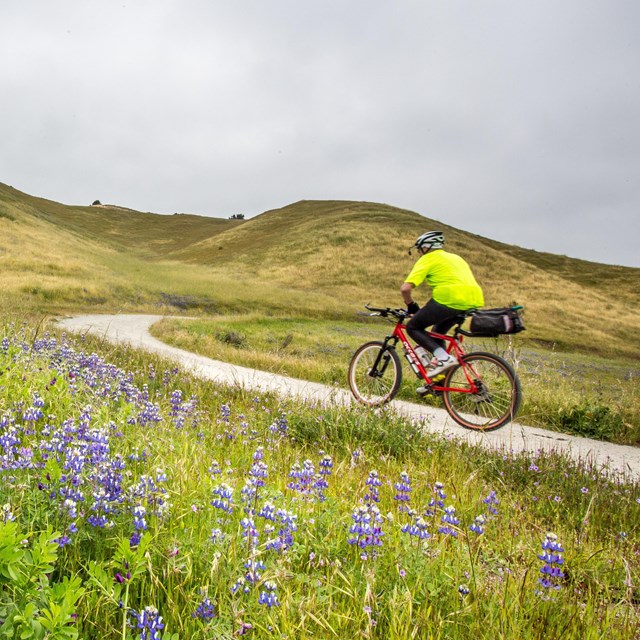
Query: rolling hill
[324,257]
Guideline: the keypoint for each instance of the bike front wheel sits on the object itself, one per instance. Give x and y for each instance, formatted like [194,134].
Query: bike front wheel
[496,395]
[375,374]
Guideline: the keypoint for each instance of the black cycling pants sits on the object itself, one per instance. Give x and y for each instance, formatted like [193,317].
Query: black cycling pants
[432,314]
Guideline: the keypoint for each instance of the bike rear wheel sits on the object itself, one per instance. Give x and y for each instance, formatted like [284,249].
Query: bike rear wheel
[498,395]
[375,374]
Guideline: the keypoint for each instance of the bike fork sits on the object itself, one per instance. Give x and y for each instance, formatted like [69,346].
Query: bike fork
[376,370]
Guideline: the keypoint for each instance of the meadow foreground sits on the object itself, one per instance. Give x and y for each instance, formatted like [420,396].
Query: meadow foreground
[141,502]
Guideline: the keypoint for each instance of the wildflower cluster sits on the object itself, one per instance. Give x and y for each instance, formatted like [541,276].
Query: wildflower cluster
[79,473]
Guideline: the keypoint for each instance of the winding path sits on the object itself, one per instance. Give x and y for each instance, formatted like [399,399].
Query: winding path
[134,330]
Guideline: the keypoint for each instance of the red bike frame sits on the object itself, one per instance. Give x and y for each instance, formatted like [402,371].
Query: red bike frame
[453,347]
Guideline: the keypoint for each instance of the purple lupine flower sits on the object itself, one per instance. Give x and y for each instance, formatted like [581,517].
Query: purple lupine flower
[139,521]
[553,560]
[135,538]
[258,473]
[176,402]
[258,454]
[205,610]
[268,512]
[69,507]
[6,514]
[249,494]
[288,526]
[373,482]
[303,478]
[63,541]
[366,527]
[492,501]
[149,414]
[403,489]
[253,567]
[417,528]
[268,595]
[240,584]
[216,535]
[249,532]
[280,426]
[436,502]
[32,414]
[326,465]
[149,621]
[478,524]
[449,521]
[225,413]
[224,501]
[320,484]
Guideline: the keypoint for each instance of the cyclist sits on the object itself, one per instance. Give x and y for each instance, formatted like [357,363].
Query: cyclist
[454,289]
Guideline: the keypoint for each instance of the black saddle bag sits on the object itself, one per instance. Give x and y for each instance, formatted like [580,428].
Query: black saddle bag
[489,323]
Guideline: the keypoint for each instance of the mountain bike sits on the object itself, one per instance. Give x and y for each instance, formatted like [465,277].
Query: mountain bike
[482,392]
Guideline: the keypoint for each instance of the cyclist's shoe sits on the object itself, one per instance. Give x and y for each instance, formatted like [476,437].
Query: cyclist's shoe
[442,366]
[427,390]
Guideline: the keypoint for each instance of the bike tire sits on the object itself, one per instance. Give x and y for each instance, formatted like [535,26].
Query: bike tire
[375,388]
[498,401]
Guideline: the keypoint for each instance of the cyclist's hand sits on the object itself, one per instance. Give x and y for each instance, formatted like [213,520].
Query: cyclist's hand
[412,308]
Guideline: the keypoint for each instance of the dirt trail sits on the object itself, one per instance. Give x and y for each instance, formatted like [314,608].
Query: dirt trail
[134,330]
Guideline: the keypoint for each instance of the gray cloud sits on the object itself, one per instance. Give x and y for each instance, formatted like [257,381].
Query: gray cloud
[518,121]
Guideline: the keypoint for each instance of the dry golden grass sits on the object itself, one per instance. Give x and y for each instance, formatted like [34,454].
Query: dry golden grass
[313,258]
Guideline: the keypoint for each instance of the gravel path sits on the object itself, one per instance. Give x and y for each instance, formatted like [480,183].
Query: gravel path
[134,330]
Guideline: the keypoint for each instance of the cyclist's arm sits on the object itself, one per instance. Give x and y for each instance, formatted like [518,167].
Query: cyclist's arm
[406,291]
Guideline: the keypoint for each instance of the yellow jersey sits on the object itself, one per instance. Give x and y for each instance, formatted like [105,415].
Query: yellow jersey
[450,278]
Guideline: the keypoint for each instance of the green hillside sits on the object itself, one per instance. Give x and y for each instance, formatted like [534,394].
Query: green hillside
[119,227]
[317,258]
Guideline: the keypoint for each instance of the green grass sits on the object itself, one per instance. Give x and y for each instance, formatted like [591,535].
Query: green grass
[589,396]
[120,415]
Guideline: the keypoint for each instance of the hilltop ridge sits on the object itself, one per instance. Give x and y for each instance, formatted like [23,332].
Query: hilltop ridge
[332,255]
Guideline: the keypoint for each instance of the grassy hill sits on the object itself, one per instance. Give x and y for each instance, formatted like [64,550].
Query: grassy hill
[114,466]
[314,258]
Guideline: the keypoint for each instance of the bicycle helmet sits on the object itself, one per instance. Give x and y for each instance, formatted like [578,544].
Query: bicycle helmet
[430,240]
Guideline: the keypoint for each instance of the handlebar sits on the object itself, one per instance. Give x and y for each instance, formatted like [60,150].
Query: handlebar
[403,314]
[398,314]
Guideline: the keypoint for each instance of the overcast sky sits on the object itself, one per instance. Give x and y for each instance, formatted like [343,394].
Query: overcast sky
[519,121]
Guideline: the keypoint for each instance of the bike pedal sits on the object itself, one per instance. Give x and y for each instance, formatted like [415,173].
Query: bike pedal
[427,390]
